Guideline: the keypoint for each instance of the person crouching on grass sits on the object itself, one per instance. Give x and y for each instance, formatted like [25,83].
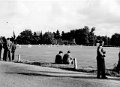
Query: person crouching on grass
[101,61]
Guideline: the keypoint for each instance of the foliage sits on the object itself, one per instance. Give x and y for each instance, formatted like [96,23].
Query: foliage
[115,39]
[48,38]
[82,36]
[25,37]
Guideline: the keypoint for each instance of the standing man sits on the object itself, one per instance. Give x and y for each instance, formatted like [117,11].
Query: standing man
[101,61]
[5,49]
[13,48]
[59,59]
[0,49]
[9,46]
[118,65]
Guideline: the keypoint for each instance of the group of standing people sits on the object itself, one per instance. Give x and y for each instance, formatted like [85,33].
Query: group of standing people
[63,59]
[8,46]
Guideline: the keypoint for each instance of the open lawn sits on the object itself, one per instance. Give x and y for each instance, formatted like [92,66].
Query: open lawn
[86,55]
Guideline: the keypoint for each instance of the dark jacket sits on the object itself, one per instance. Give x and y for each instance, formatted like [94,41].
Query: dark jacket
[58,59]
[66,58]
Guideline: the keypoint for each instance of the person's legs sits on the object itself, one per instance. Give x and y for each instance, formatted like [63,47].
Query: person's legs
[9,55]
[13,55]
[103,70]
[0,53]
[5,55]
[98,68]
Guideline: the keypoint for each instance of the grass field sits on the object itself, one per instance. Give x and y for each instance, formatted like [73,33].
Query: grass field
[86,55]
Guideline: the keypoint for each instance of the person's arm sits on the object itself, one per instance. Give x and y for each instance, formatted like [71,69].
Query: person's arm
[100,51]
[70,57]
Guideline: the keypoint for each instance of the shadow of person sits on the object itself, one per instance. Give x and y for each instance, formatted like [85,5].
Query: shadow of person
[61,74]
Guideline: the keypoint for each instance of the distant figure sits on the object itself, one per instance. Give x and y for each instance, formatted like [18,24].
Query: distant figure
[101,61]
[0,49]
[5,49]
[118,65]
[13,48]
[58,59]
[67,59]
[119,55]
[9,46]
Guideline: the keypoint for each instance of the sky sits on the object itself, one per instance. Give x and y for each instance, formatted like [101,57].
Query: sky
[64,15]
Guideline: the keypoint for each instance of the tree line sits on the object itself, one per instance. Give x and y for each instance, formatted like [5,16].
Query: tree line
[82,36]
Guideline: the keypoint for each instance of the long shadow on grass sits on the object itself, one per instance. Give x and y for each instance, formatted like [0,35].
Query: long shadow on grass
[30,72]
[45,64]
[64,68]
[48,75]
[77,77]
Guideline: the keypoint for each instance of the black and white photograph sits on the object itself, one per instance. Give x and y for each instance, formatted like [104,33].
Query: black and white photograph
[59,43]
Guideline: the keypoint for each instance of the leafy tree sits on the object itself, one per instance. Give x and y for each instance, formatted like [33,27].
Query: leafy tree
[92,38]
[48,38]
[85,35]
[25,37]
[35,38]
[27,33]
[62,35]
[57,35]
[40,41]
[115,39]
[78,36]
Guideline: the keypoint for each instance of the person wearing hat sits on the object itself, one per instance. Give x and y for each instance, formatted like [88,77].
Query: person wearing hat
[101,61]
[67,59]
[59,58]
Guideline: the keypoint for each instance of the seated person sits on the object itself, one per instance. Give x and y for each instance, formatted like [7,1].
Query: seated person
[67,59]
[58,58]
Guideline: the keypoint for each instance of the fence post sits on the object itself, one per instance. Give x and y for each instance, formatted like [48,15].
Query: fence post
[75,63]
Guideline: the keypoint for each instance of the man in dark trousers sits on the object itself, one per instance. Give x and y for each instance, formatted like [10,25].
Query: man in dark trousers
[0,49]
[67,59]
[13,50]
[58,58]
[101,61]
[5,49]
